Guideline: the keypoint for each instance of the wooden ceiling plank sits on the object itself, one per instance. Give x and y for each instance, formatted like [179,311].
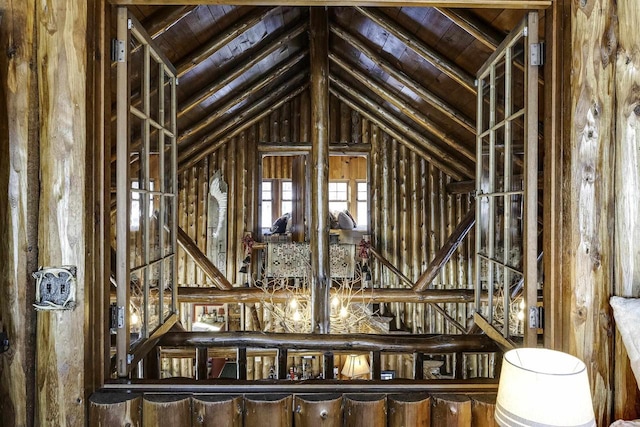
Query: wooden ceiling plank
[219,40]
[206,150]
[466,21]
[258,84]
[184,152]
[401,132]
[160,22]
[405,108]
[428,96]
[488,4]
[252,56]
[443,64]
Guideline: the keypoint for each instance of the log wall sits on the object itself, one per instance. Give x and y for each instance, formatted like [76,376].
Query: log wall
[282,410]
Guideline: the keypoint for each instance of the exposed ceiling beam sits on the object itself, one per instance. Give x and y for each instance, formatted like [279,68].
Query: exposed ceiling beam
[205,149]
[434,58]
[486,4]
[428,96]
[404,107]
[379,119]
[473,26]
[249,59]
[438,154]
[254,87]
[218,41]
[185,152]
[161,21]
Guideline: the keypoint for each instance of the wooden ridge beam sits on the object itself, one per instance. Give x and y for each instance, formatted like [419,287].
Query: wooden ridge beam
[492,4]
[205,151]
[201,260]
[437,153]
[211,295]
[473,26]
[186,152]
[218,41]
[405,108]
[428,96]
[305,147]
[249,59]
[447,249]
[431,343]
[399,136]
[447,67]
[254,87]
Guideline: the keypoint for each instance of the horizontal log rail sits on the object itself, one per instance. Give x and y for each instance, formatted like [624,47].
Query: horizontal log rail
[428,343]
[375,295]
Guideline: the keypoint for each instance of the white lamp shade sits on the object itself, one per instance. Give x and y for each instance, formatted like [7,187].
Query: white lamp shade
[541,387]
[355,366]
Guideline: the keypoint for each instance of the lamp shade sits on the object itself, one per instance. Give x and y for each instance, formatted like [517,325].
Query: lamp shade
[541,387]
[355,366]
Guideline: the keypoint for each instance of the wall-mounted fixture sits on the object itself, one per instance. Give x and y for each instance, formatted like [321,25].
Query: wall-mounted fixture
[55,288]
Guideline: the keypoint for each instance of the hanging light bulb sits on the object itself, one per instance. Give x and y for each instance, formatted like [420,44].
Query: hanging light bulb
[335,301]
[521,315]
[343,311]
[296,316]
[134,318]
[294,303]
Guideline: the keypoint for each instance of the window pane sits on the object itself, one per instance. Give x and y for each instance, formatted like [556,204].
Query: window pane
[286,207]
[287,191]
[267,220]
[362,191]
[337,206]
[362,214]
[338,191]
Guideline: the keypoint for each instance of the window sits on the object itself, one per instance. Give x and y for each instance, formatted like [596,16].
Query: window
[362,201]
[338,196]
[287,197]
[267,204]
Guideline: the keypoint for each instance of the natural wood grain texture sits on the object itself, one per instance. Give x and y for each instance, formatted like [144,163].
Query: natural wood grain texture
[450,410]
[504,343]
[115,409]
[60,358]
[272,410]
[627,206]
[163,410]
[320,410]
[409,410]
[482,410]
[589,194]
[319,89]
[19,175]
[365,410]
[211,410]
[507,4]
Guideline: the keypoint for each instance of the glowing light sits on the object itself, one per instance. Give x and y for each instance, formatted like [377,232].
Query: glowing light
[343,312]
[521,315]
[293,304]
[335,302]
[296,316]
[135,319]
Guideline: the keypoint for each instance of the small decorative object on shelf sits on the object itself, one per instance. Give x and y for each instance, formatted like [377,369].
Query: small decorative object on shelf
[55,288]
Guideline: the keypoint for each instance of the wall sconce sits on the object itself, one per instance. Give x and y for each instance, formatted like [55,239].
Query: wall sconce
[541,387]
[355,366]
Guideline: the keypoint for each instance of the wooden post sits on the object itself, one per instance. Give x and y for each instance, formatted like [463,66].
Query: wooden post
[409,410]
[215,410]
[320,410]
[19,159]
[320,276]
[242,363]
[268,410]
[166,410]
[589,197]
[365,410]
[115,409]
[451,410]
[201,363]
[62,230]
[282,364]
[482,410]
[627,206]
[376,365]
[328,364]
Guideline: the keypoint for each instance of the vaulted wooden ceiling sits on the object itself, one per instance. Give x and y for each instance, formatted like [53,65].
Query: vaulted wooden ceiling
[411,70]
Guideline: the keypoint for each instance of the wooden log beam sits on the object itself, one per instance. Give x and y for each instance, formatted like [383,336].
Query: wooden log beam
[436,153]
[140,351]
[377,255]
[447,67]
[430,343]
[161,21]
[398,135]
[446,251]
[303,147]
[63,216]
[244,93]
[115,409]
[205,151]
[201,260]
[248,60]
[165,409]
[452,410]
[405,108]
[493,4]
[185,152]
[482,32]
[436,102]
[365,410]
[504,343]
[319,87]
[210,295]
[218,41]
